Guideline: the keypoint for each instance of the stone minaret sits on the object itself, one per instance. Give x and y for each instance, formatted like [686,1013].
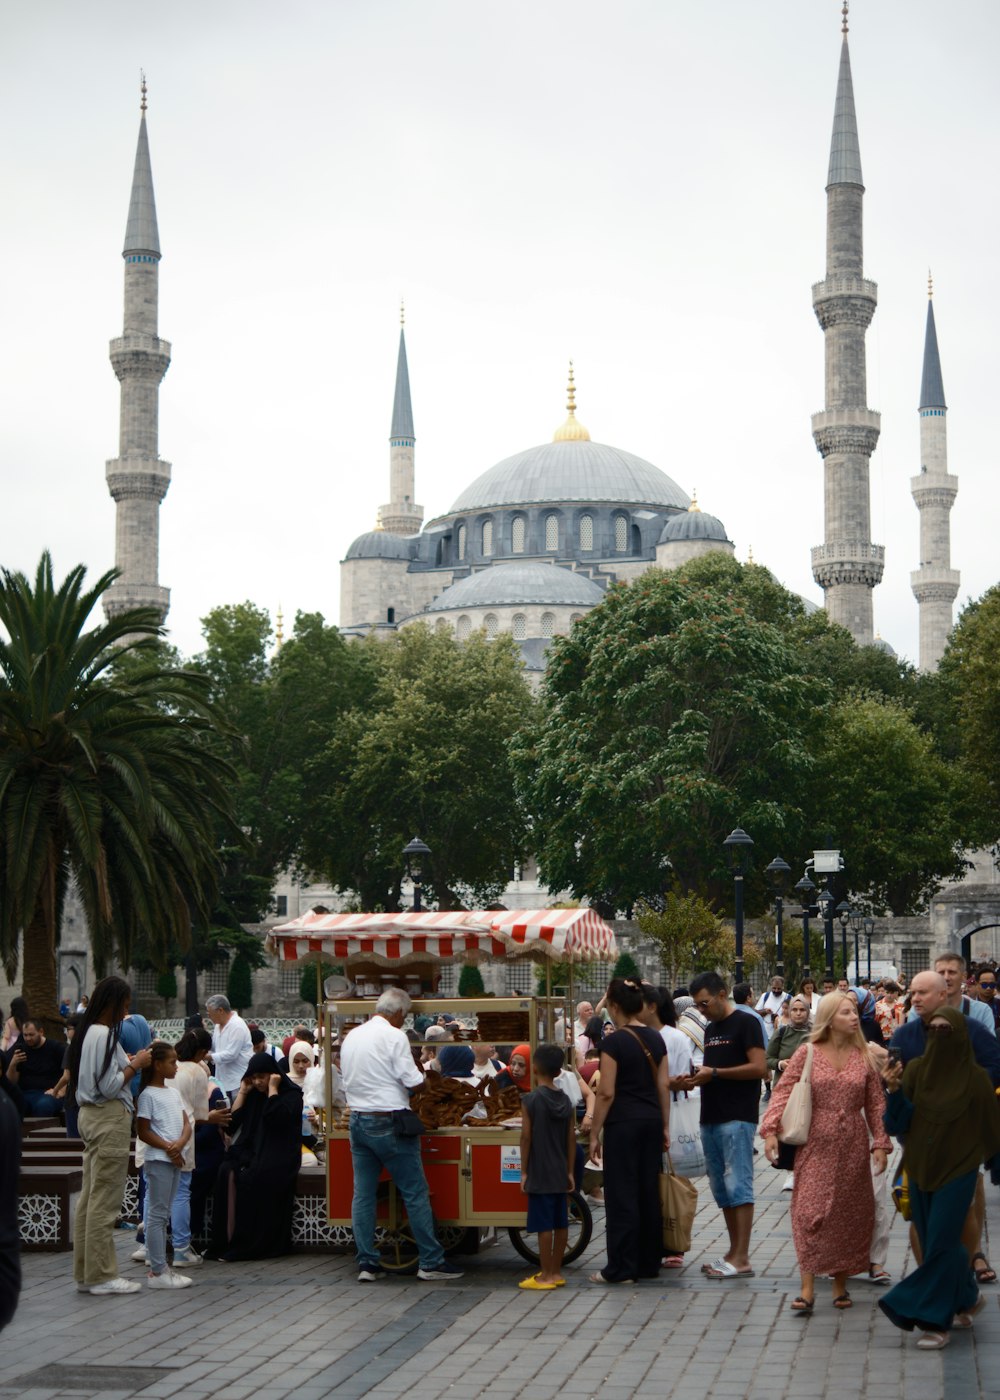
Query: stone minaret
[401,516]
[137,479]
[847,566]
[935,583]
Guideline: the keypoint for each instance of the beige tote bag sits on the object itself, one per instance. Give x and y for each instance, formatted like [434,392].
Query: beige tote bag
[798,1110]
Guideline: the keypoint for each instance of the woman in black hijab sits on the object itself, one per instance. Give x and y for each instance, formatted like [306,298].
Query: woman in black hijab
[255,1189]
[944,1108]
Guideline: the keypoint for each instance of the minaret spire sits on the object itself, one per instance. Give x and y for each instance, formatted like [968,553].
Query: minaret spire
[137,478]
[847,566]
[401,516]
[935,584]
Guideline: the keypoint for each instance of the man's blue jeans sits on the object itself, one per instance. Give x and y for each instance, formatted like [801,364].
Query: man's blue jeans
[41,1105]
[374,1145]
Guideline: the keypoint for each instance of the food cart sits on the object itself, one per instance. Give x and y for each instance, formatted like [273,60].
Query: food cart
[473,1171]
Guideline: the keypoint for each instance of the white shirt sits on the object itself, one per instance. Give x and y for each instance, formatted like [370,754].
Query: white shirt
[231,1051]
[679,1051]
[378,1068]
[567,1082]
[164,1108]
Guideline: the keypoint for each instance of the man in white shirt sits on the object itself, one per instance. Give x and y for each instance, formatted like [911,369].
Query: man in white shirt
[379,1074]
[231,1044]
[770,1004]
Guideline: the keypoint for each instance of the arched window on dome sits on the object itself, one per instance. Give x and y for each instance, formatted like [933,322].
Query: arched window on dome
[552,532]
[548,624]
[487,549]
[586,532]
[518,534]
[636,540]
[463,628]
[460,548]
[621,534]
[492,624]
[519,627]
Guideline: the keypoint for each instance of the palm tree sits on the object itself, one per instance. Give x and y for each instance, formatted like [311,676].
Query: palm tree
[108,776]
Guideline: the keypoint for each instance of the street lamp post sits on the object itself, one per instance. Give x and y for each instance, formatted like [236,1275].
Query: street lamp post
[738,845]
[805,889]
[415,852]
[843,913]
[857,923]
[869,925]
[825,901]
[776,873]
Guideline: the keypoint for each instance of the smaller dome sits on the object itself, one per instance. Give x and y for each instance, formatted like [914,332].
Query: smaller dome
[510,585]
[880,644]
[694,524]
[380,544]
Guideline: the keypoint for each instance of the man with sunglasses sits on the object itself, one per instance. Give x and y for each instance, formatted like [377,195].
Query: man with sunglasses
[986,981]
[929,993]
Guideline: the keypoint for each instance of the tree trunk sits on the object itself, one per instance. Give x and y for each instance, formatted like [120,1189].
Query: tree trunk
[39,981]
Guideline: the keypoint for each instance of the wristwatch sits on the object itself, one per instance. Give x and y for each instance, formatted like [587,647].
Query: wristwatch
[715,1071]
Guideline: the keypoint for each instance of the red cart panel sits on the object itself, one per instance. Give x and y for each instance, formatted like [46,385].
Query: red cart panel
[495,1186]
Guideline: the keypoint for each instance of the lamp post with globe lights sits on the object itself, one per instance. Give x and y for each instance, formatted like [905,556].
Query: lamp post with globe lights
[738,846]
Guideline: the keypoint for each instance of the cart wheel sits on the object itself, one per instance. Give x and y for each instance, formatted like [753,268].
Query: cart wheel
[398,1249]
[581,1227]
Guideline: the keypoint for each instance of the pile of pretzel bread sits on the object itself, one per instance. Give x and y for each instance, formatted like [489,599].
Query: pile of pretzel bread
[444,1103]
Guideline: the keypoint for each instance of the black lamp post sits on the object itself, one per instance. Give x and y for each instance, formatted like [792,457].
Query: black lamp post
[869,927]
[843,913]
[776,873]
[825,901]
[414,853]
[805,889]
[738,846]
[857,923]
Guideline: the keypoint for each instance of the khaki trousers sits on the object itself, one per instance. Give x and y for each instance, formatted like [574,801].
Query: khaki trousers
[106,1130]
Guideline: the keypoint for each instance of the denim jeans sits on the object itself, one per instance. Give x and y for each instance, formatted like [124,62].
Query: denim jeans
[180,1213]
[374,1145]
[41,1105]
[161,1184]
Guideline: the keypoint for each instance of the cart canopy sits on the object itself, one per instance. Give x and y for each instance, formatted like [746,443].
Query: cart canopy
[564,935]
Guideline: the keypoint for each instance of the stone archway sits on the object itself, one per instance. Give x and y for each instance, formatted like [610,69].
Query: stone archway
[965,936]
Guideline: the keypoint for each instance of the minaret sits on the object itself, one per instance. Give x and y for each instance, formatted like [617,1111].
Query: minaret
[935,583]
[847,566]
[137,479]
[401,516]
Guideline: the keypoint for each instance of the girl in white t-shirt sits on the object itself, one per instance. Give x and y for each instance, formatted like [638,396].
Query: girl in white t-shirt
[164,1127]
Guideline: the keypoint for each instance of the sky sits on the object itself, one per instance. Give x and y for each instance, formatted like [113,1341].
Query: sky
[638,187]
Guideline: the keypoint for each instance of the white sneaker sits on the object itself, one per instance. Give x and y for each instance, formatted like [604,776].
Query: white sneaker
[138,1255]
[789,1182]
[167,1280]
[186,1259]
[115,1285]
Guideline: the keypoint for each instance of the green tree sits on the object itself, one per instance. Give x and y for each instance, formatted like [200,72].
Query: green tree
[239,983]
[677,709]
[311,984]
[893,802]
[426,753]
[626,966]
[688,932]
[470,981]
[106,777]
[166,988]
[970,671]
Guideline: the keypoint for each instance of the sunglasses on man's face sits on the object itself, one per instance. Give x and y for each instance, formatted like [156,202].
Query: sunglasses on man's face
[988,986]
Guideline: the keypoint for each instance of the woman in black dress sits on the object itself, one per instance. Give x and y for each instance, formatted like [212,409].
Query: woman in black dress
[255,1189]
[633,1107]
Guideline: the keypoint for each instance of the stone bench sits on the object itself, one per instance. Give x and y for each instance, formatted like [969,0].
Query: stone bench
[46,1203]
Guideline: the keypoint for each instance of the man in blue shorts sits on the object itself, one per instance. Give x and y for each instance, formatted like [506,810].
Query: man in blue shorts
[729,1080]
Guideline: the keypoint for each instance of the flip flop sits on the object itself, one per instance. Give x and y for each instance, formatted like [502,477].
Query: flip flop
[802,1306]
[933,1341]
[538,1287]
[722,1268]
[559,1283]
[842,1302]
[599,1278]
[985,1274]
[673,1261]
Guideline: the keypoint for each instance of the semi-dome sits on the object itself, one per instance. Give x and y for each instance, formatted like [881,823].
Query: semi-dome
[380,544]
[570,470]
[694,524]
[509,585]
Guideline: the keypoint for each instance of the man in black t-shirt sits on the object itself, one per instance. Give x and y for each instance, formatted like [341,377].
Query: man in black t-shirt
[34,1064]
[729,1080]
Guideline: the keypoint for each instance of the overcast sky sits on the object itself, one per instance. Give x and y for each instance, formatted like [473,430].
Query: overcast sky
[638,186]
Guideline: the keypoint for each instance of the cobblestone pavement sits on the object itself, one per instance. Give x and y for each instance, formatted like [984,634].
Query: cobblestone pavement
[303,1327]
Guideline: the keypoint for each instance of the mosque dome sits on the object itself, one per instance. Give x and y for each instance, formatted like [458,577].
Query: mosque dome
[512,585]
[571,468]
[380,544]
[694,524]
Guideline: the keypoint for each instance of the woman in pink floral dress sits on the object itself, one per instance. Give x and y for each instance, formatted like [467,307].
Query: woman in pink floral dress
[833,1207]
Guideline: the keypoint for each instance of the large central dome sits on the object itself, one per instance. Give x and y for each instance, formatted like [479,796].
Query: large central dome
[571,471]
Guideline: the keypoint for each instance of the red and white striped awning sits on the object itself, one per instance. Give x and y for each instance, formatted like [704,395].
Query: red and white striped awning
[565,935]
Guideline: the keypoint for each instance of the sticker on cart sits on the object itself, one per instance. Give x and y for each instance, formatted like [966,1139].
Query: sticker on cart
[510,1164]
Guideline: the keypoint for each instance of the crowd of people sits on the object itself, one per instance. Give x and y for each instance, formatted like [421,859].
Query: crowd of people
[223,1116]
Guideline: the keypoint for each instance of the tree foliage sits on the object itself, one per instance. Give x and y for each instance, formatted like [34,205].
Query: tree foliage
[688,932]
[239,983]
[470,981]
[970,677]
[625,966]
[166,988]
[107,773]
[425,752]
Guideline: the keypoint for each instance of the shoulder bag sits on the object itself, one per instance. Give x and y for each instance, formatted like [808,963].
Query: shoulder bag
[795,1120]
[678,1196]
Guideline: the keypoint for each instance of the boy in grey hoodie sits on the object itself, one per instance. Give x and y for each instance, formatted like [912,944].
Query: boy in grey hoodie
[548,1155]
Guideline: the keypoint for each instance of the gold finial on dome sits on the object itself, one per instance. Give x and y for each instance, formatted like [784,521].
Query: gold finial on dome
[843,27]
[571,430]
[694,501]
[750,558]
[930,284]
[378,519]
[279,631]
[402,312]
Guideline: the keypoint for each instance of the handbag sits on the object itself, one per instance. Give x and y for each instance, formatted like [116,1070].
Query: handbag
[795,1120]
[687,1153]
[900,1192]
[678,1203]
[406,1123]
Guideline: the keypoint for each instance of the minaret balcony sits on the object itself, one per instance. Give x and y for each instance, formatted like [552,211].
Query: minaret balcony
[844,287]
[848,561]
[123,597]
[846,431]
[844,301]
[137,477]
[928,490]
[140,355]
[931,584]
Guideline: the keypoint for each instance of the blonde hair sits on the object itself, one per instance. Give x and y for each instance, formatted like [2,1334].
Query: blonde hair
[822,1029]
